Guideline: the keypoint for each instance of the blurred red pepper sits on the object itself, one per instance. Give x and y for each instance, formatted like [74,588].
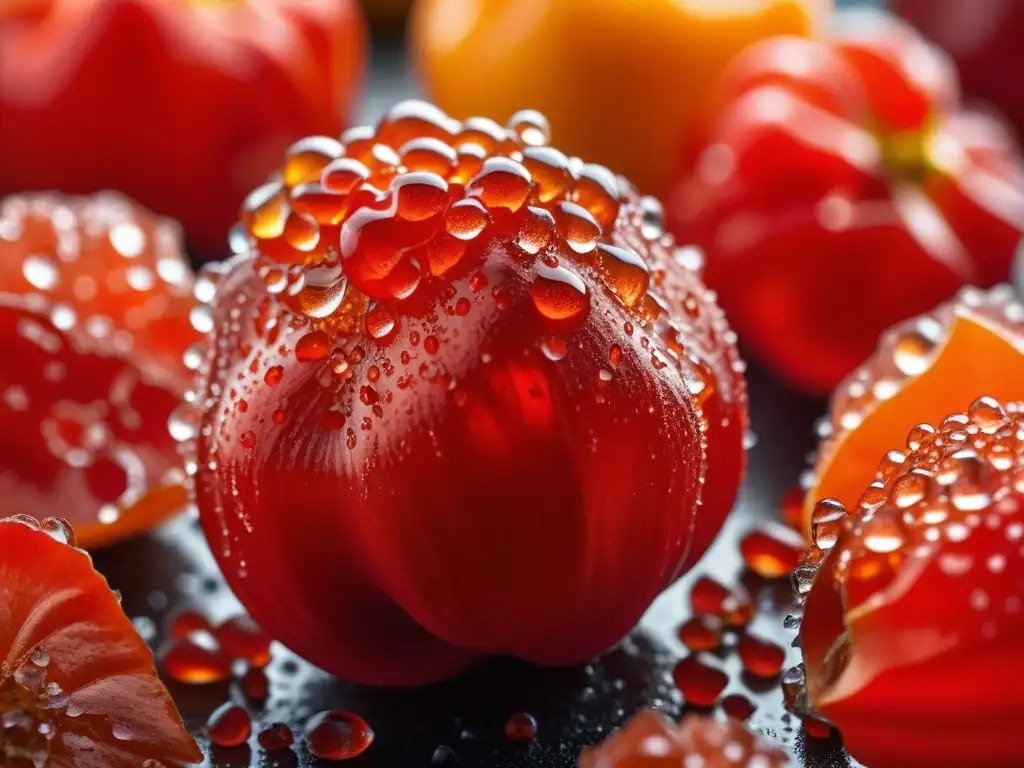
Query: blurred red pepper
[983,37]
[181,104]
[840,188]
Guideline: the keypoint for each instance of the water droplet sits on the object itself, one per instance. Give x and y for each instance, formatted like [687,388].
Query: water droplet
[501,183]
[826,522]
[554,348]
[531,127]
[273,375]
[265,211]
[306,159]
[183,423]
[60,529]
[703,632]
[912,353]
[699,683]
[343,175]
[40,271]
[338,735]
[229,725]
[466,219]
[988,415]
[577,227]
[624,272]
[558,293]
[312,347]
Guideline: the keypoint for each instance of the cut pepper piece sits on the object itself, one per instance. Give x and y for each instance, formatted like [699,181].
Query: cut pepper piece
[78,688]
[923,369]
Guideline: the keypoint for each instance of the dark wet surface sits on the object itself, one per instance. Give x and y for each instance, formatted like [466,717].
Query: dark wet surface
[574,707]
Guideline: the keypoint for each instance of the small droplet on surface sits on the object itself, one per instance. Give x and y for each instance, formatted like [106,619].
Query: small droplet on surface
[255,685]
[554,347]
[444,757]
[738,706]
[60,530]
[186,621]
[761,657]
[772,551]
[733,606]
[276,737]
[912,352]
[312,347]
[703,632]
[700,684]
[521,727]
[273,375]
[338,735]
[188,660]
[558,293]
[229,725]
[242,639]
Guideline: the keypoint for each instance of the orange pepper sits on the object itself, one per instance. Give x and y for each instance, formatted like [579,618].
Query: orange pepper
[621,82]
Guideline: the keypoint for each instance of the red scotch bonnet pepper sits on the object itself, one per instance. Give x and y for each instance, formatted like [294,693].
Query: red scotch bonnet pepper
[460,396]
[183,105]
[840,187]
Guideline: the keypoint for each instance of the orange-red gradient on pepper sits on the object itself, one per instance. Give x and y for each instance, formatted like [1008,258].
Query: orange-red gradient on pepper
[181,104]
[621,82]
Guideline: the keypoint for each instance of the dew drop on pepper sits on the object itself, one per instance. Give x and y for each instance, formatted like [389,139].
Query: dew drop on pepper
[380,321]
[501,183]
[338,735]
[60,529]
[624,272]
[466,219]
[577,227]
[700,684]
[312,347]
[558,293]
[343,175]
[911,353]
[229,725]
[264,211]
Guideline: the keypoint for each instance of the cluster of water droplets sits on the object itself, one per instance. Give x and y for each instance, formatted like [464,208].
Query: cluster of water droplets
[926,501]
[31,704]
[351,233]
[907,350]
[75,255]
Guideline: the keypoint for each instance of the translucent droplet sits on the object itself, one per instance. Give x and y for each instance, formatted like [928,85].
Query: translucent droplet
[41,272]
[912,353]
[466,219]
[183,423]
[501,183]
[60,529]
[531,127]
[558,293]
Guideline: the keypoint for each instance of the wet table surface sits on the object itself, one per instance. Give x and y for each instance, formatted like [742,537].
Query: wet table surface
[172,568]
[574,707]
